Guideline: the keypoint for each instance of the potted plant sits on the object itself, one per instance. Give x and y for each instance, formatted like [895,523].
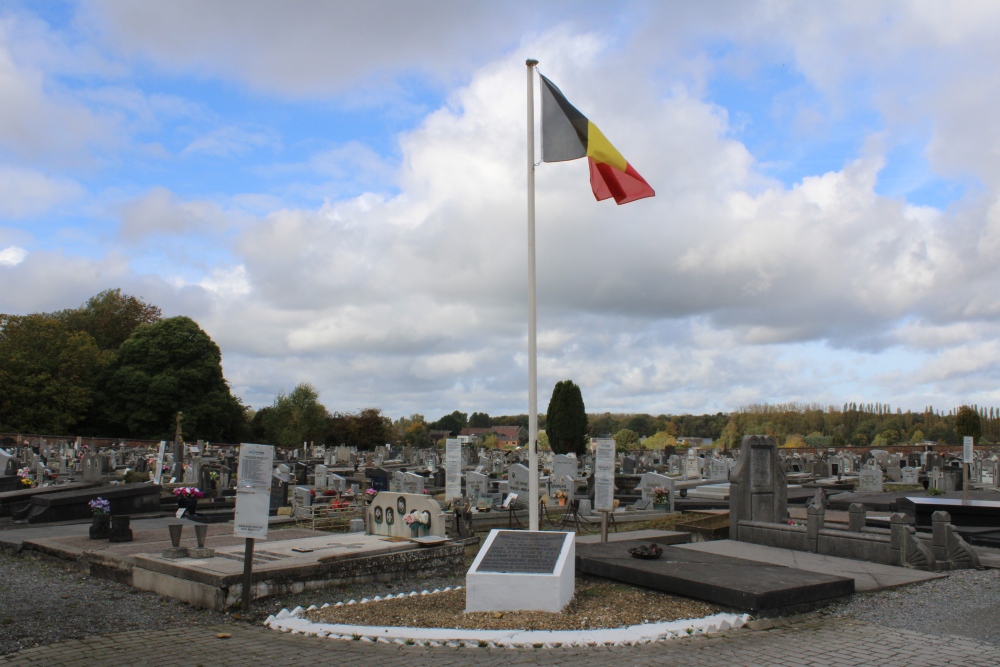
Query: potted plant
[101,519]
[560,496]
[187,498]
[370,495]
[661,498]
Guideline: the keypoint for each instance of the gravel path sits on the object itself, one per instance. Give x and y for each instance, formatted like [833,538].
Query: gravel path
[42,602]
[964,604]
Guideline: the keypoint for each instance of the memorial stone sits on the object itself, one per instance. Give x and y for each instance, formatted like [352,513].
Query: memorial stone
[412,483]
[758,490]
[870,480]
[320,473]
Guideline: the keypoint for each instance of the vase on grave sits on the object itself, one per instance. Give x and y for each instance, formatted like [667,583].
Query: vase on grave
[100,526]
[661,507]
[120,530]
[562,502]
[189,503]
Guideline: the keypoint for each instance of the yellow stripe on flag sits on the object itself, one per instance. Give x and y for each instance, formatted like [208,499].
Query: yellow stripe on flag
[599,148]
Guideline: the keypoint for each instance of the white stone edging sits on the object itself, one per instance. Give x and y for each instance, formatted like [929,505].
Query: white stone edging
[292,621]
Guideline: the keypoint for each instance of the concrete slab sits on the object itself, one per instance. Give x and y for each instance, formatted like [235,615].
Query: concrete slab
[658,536]
[291,566]
[738,583]
[867,576]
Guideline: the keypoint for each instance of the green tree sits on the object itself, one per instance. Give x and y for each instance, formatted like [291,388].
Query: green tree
[480,420]
[161,369]
[659,440]
[566,419]
[452,423]
[46,375]
[968,422]
[731,437]
[626,439]
[296,418]
[110,317]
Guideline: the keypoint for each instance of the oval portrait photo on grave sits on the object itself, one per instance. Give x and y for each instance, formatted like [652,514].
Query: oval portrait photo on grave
[378,515]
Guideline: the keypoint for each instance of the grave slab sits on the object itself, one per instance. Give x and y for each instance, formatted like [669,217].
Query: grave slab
[980,513]
[867,576]
[763,588]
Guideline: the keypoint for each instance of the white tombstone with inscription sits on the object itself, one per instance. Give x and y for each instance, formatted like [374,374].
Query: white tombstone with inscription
[522,570]
[476,485]
[412,483]
[320,476]
[909,475]
[452,469]
[517,481]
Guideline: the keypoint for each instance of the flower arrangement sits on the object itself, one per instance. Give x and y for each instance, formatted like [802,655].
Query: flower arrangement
[100,506]
[371,493]
[661,495]
[25,475]
[417,517]
[188,492]
[559,494]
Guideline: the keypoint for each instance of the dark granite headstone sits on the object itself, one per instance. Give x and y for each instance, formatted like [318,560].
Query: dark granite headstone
[531,552]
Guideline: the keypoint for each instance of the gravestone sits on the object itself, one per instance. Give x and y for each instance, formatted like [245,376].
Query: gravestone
[870,480]
[518,570]
[476,485]
[336,482]
[628,465]
[718,469]
[91,468]
[758,489]
[279,493]
[319,477]
[388,509]
[909,475]
[894,472]
[564,466]
[517,481]
[412,483]
[692,464]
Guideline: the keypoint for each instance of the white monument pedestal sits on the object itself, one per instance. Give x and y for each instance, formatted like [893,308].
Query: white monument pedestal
[518,570]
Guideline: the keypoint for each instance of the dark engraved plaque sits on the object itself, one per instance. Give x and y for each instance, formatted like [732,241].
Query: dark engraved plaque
[515,551]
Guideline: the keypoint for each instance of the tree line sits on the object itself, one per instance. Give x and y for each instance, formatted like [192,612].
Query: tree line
[114,367]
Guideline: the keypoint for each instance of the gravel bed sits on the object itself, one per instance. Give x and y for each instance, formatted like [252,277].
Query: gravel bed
[596,604]
[965,604]
[43,602]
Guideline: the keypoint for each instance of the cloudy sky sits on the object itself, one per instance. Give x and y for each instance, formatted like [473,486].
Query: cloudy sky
[336,193]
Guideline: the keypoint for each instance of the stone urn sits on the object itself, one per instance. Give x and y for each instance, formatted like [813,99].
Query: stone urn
[100,526]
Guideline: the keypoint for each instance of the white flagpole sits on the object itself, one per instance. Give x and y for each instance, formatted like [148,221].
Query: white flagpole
[532,344]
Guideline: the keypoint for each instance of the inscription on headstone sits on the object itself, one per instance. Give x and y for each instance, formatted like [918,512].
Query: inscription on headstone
[528,552]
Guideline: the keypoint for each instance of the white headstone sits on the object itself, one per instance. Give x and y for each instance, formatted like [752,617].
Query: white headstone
[453,469]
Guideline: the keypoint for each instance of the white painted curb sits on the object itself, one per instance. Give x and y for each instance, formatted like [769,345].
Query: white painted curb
[292,621]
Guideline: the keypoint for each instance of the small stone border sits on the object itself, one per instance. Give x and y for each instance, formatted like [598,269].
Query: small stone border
[293,622]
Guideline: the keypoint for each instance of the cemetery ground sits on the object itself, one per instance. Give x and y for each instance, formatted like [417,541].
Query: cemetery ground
[55,616]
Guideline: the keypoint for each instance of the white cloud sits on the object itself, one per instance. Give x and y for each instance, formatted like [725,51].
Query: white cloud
[160,212]
[12,256]
[26,192]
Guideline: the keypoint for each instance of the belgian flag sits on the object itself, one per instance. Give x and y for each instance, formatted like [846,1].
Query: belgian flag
[568,135]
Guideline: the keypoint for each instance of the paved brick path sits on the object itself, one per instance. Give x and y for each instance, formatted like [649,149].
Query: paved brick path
[821,642]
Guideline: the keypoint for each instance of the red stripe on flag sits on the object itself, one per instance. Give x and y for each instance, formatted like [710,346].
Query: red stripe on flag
[625,187]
